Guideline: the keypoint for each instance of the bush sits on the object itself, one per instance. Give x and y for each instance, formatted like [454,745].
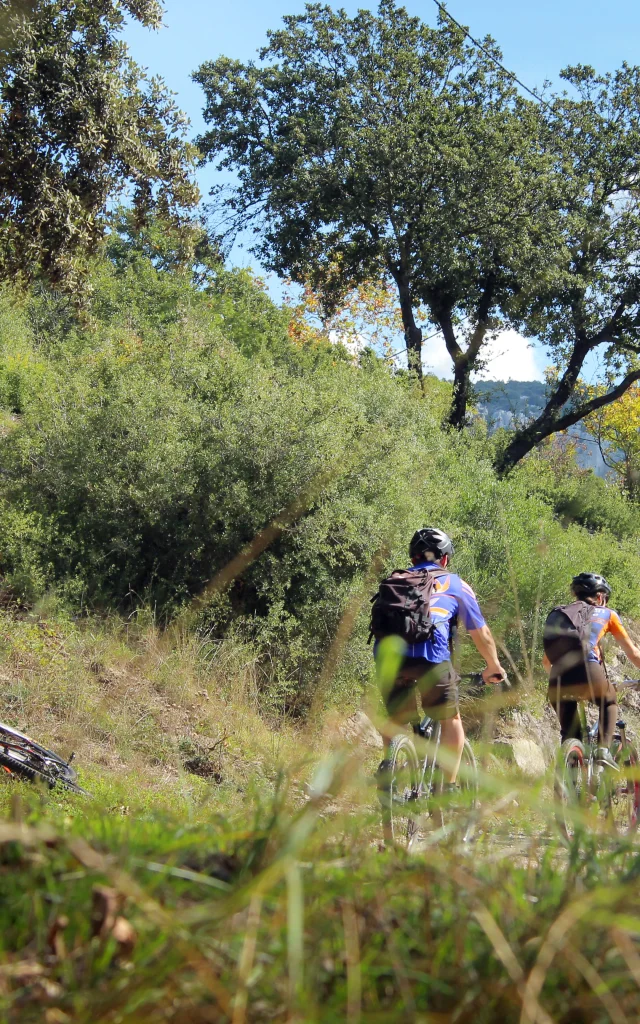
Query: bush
[151,449]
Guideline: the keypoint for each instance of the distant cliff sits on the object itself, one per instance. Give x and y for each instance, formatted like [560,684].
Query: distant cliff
[509,402]
[501,403]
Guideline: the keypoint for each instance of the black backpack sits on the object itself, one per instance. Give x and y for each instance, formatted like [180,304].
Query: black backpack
[566,635]
[401,606]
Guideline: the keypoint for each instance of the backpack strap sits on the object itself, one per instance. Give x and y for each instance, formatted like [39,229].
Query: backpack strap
[453,621]
[453,635]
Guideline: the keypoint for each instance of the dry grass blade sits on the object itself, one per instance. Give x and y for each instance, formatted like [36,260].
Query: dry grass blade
[516,600]
[553,943]
[506,955]
[352,950]
[597,983]
[497,939]
[246,959]
[628,951]
[344,630]
[295,936]
[265,537]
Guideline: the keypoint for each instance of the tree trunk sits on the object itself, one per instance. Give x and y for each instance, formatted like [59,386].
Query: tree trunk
[413,338]
[551,419]
[412,333]
[464,362]
[522,442]
[460,399]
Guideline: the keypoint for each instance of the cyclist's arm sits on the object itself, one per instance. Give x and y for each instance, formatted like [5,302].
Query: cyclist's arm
[618,631]
[486,647]
[480,633]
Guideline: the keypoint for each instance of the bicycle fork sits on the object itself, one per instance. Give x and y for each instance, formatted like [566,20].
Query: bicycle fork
[428,730]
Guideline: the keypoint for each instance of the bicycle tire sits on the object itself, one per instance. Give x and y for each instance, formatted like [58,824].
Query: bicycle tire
[571,787]
[15,736]
[468,803]
[399,796]
[469,785]
[23,771]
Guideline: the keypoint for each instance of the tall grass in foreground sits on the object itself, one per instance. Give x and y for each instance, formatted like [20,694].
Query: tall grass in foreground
[261,890]
[289,910]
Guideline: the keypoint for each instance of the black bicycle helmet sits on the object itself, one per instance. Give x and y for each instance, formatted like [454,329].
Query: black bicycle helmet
[429,538]
[588,584]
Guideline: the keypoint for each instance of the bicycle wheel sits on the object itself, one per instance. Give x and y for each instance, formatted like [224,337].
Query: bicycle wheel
[571,787]
[399,793]
[464,804]
[22,757]
[620,803]
[468,779]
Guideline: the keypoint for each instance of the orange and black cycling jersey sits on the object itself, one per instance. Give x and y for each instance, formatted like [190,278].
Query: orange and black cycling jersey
[603,621]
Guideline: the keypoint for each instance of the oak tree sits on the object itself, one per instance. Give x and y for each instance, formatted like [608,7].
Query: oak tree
[80,125]
[377,148]
[616,429]
[587,310]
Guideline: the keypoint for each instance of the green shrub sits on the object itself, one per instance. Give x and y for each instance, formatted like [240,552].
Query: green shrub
[157,439]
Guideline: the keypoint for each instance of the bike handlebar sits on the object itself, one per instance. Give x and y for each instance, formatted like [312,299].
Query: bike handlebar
[478,680]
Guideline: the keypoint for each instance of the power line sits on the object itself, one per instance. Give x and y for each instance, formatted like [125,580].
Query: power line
[488,54]
[405,349]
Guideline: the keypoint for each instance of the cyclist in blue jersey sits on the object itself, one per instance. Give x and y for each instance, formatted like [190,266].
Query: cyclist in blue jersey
[427,667]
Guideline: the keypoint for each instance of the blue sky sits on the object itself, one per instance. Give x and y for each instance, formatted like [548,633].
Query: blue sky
[537,38]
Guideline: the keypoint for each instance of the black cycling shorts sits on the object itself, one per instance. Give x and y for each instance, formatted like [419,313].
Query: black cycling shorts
[436,683]
[585,682]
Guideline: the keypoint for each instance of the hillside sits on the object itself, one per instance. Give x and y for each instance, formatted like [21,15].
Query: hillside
[203,483]
[503,402]
[195,508]
[230,868]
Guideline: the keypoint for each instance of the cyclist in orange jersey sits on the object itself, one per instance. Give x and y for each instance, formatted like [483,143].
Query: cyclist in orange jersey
[587,678]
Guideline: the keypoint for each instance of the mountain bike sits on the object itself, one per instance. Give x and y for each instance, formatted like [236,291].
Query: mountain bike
[412,790]
[589,794]
[23,758]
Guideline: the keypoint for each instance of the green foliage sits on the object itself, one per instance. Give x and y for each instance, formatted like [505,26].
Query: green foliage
[149,442]
[579,496]
[589,303]
[377,148]
[79,126]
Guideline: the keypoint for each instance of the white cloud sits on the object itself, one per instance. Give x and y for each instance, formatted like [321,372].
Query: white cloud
[509,356]
[355,344]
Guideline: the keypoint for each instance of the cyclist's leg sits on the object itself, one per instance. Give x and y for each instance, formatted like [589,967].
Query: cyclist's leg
[564,693]
[439,697]
[569,721]
[452,740]
[400,702]
[604,696]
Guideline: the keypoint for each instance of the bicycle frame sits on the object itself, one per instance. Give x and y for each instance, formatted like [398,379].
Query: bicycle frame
[430,732]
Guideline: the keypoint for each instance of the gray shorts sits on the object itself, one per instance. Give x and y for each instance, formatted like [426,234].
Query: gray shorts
[436,683]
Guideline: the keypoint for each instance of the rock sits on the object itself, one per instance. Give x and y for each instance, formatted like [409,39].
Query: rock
[525,754]
[528,757]
[359,728]
[542,729]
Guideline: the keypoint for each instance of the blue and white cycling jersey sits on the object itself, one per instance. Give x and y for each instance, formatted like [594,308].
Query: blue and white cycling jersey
[451,597]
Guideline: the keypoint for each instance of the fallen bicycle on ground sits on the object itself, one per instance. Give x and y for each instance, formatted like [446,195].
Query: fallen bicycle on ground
[23,758]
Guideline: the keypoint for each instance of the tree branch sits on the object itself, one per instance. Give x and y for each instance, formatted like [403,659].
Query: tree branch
[453,347]
[586,408]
